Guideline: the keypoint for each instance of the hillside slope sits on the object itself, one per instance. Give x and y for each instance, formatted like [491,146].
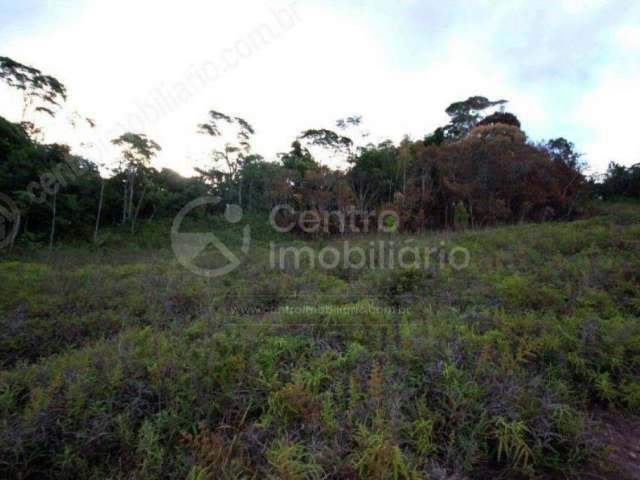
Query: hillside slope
[121,364]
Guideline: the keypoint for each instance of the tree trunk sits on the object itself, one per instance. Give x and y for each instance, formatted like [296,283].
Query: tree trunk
[12,239]
[131,188]
[53,221]
[25,107]
[404,179]
[124,203]
[135,216]
[446,216]
[95,233]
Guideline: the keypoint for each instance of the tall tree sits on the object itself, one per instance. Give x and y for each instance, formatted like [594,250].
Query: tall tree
[373,175]
[298,160]
[354,127]
[233,154]
[41,93]
[137,152]
[504,118]
[329,140]
[465,115]
[563,151]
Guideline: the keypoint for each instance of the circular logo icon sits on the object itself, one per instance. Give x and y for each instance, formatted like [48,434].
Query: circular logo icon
[9,220]
[188,246]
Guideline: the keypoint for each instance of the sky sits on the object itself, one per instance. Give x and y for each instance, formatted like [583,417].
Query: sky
[568,67]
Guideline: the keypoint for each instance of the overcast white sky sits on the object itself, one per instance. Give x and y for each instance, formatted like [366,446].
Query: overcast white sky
[569,67]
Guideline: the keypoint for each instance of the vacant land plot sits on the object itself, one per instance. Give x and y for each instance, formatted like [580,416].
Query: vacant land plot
[121,364]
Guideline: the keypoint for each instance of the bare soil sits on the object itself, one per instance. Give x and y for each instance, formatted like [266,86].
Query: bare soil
[619,435]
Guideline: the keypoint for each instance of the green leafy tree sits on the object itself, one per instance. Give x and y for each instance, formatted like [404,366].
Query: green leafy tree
[299,160]
[231,156]
[620,182]
[137,151]
[374,175]
[41,93]
[465,115]
[256,176]
[326,139]
[563,151]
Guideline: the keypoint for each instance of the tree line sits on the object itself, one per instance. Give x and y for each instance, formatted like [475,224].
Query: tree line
[479,170]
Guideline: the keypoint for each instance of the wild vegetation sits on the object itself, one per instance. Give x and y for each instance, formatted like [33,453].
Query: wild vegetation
[119,364]
[116,362]
[479,170]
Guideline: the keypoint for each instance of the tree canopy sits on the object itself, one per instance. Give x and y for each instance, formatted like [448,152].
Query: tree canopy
[42,92]
[480,169]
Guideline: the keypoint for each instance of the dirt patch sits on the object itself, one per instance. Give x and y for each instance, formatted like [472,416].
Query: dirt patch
[619,434]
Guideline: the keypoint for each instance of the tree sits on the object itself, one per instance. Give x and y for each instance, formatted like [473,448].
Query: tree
[137,152]
[563,151]
[40,93]
[354,127]
[467,114]
[404,159]
[345,123]
[299,160]
[54,190]
[327,139]
[437,138]
[498,131]
[373,175]
[232,155]
[256,177]
[503,118]
[299,163]
[85,127]
[620,181]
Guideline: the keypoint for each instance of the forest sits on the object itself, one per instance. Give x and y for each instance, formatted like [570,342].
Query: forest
[118,363]
[479,170]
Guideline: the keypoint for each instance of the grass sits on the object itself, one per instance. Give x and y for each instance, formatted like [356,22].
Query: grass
[118,363]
